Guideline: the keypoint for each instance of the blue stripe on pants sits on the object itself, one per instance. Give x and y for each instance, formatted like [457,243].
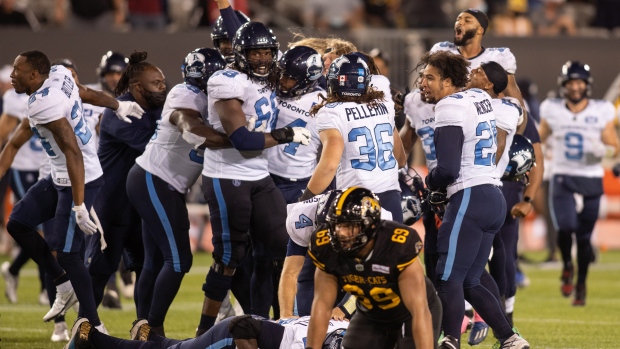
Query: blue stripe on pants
[224,218]
[454,234]
[70,231]
[18,183]
[221,344]
[165,222]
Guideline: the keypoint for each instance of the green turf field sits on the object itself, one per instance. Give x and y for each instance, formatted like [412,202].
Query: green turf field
[544,317]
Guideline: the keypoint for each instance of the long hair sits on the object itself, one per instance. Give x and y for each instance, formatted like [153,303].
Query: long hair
[372,98]
[38,61]
[137,64]
[449,66]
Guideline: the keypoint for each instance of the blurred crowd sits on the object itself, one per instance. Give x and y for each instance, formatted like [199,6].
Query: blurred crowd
[508,17]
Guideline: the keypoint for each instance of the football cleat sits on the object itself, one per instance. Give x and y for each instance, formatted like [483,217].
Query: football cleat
[515,342]
[226,310]
[10,282]
[80,334]
[60,334]
[479,333]
[580,295]
[140,330]
[448,342]
[64,300]
[567,280]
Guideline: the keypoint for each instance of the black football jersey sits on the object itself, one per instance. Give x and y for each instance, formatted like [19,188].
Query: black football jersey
[374,280]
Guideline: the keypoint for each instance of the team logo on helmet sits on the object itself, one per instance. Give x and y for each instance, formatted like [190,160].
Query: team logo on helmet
[315,67]
[195,64]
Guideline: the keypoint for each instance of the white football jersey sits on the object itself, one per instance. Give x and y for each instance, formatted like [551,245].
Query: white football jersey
[421,116]
[508,112]
[92,113]
[30,156]
[169,156]
[58,98]
[257,100]
[501,55]
[368,135]
[300,220]
[575,134]
[473,112]
[296,331]
[294,160]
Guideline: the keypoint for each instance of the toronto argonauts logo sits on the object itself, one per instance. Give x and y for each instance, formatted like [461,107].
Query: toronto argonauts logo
[523,161]
[315,67]
[195,65]
[334,69]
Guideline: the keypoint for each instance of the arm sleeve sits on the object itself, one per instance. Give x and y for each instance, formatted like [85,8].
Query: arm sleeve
[231,22]
[449,148]
[292,249]
[244,140]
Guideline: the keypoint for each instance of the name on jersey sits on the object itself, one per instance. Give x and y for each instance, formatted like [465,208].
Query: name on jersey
[428,121]
[293,108]
[67,86]
[363,111]
[371,280]
[483,107]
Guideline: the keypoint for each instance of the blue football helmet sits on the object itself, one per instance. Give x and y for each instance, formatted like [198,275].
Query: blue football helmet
[251,36]
[348,76]
[302,64]
[219,33]
[354,206]
[323,205]
[521,158]
[574,70]
[199,65]
[334,339]
[112,62]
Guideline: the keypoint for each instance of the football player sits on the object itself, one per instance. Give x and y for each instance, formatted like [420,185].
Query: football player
[297,284]
[240,193]
[583,133]
[466,146]
[356,126]
[469,30]
[220,37]
[173,158]
[119,146]
[376,261]
[239,332]
[110,70]
[54,115]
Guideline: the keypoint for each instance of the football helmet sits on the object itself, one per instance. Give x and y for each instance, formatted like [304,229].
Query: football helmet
[251,36]
[357,207]
[323,205]
[302,64]
[112,62]
[219,33]
[348,76]
[521,158]
[334,339]
[575,71]
[199,65]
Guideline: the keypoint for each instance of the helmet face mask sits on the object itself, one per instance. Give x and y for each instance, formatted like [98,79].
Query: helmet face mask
[199,65]
[250,45]
[348,76]
[353,219]
[110,69]
[300,69]
[575,71]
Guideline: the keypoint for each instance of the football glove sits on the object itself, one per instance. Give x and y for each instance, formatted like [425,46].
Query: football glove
[291,135]
[251,125]
[128,108]
[83,220]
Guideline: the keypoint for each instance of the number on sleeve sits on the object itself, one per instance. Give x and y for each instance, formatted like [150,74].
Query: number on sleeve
[322,238]
[400,235]
[195,157]
[304,221]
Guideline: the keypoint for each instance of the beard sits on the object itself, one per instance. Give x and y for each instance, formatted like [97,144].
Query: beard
[468,35]
[154,99]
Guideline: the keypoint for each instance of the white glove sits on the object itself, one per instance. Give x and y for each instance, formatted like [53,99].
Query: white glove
[251,126]
[600,150]
[83,220]
[301,135]
[128,108]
